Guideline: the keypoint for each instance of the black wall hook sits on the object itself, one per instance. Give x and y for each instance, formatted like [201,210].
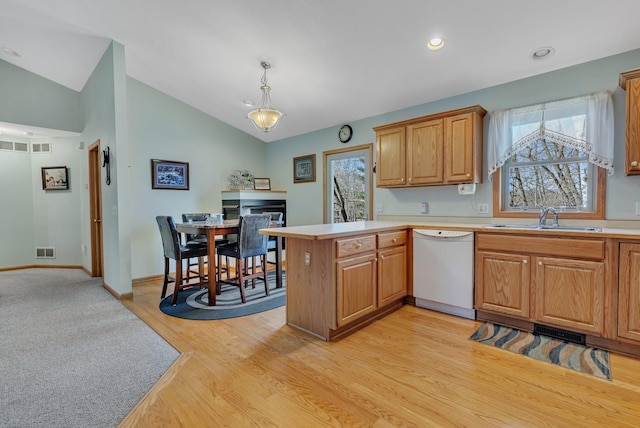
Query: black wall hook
[106,163]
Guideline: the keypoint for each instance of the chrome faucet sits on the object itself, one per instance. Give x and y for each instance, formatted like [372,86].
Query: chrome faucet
[544,211]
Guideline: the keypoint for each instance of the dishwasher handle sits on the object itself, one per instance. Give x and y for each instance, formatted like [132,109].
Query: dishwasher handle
[441,234]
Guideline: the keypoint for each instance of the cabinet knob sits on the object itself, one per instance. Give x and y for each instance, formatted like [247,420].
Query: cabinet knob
[394,240]
[468,175]
[539,263]
[402,179]
[524,262]
[358,245]
[409,178]
[634,163]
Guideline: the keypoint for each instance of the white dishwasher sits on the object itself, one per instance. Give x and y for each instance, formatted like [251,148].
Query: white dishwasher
[443,271]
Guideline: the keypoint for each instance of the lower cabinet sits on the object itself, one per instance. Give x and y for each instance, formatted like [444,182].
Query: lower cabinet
[555,281]
[629,292]
[502,283]
[371,273]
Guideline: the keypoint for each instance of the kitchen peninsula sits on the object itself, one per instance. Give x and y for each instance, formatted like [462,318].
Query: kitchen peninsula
[342,276]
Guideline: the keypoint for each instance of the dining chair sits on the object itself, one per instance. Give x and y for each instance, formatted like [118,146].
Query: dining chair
[250,244]
[198,240]
[173,249]
[276,221]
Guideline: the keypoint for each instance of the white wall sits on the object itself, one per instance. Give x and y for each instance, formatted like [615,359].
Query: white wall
[305,199]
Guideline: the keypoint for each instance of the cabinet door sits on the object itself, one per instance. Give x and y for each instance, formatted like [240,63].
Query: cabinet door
[629,301]
[632,147]
[569,293]
[459,149]
[355,287]
[392,274]
[425,146]
[391,155]
[502,283]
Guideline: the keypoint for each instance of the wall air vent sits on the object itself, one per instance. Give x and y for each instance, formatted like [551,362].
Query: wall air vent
[14,146]
[557,333]
[45,253]
[41,147]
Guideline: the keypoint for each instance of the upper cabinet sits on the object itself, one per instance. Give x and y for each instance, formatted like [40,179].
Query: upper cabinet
[443,148]
[630,82]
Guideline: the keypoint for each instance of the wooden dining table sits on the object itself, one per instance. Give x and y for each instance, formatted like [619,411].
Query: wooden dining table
[228,227]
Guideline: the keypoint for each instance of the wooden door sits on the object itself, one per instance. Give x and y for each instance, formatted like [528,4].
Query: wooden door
[355,287]
[425,151]
[502,283]
[95,210]
[459,150]
[391,158]
[569,293]
[629,301]
[392,274]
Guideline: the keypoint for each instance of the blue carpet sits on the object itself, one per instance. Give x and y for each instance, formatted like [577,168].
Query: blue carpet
[193,303]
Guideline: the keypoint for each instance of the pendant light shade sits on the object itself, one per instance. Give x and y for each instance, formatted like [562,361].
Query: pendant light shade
[266,117]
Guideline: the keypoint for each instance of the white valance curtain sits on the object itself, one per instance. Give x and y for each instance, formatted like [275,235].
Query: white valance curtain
[584,123]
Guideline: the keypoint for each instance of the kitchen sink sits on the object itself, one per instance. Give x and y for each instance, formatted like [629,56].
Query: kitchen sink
[546,227]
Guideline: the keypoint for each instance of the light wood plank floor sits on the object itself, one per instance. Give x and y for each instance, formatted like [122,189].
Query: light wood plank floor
[413,368]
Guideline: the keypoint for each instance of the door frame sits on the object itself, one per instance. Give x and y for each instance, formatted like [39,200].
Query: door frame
[95,210]
[325,155]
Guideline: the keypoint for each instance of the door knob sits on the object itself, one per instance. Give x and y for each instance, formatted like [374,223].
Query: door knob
[634,163]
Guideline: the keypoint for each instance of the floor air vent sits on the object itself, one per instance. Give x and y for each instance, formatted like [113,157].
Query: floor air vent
[557,333]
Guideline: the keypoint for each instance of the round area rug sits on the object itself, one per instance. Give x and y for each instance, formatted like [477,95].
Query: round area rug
[193,303]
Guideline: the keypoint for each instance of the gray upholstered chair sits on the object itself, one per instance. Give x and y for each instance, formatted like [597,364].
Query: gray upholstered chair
[173,249]
[250,244]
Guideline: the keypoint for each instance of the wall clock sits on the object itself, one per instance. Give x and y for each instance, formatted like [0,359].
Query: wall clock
[345,133]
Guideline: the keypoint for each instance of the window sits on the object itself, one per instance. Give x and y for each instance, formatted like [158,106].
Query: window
[553,154]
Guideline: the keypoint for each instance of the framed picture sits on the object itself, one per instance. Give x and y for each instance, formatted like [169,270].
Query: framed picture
[169,175]
[261,184]
[304,169]
[55,178]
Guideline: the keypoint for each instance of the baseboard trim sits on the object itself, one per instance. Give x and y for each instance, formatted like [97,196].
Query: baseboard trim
[42,267]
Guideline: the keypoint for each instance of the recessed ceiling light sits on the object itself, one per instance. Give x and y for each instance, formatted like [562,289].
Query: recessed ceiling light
[436,43]
[541,53]
[10,52]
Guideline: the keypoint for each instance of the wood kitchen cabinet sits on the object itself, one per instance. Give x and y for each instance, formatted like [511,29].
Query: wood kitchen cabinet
[554,281]
[439,149]
[630,82]
[370,274]
[336,285]
[629,292]
[502,283]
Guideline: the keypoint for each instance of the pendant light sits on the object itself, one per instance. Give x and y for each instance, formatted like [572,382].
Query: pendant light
[266,117]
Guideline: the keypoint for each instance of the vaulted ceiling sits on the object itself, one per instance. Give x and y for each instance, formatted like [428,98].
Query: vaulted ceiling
[333,61]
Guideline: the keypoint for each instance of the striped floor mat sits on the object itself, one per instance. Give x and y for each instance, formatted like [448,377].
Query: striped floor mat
[573,356]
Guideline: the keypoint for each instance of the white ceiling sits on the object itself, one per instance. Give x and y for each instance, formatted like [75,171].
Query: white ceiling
[333,61]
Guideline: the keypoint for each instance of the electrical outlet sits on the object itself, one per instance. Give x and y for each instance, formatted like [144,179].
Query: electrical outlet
[424,207]
[379,207]
[483,208]
[467,189]
[307,258]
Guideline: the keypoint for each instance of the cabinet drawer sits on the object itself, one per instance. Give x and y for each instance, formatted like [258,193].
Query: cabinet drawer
[579,248]
[391,239]
[357,245]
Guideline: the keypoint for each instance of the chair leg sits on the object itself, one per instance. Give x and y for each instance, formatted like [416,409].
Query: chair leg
[201,270]
[174,300]
[166,278]
[241,280]
[264,271]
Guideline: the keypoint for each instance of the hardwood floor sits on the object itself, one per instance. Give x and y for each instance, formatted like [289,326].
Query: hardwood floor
[413,368]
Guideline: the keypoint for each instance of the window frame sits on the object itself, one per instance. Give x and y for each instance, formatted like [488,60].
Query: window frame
[599,201]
